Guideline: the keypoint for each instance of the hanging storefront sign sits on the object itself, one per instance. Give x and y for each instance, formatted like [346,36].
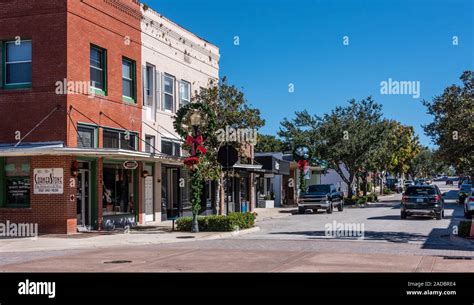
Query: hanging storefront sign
[48,180]
[130,164]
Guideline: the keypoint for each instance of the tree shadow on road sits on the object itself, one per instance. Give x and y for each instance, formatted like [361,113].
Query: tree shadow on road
[395,237]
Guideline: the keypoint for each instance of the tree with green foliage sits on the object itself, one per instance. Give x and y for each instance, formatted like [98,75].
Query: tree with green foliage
[269,143]
[427,163]
[345,138]
[232,111]
[397,146]
[452,129]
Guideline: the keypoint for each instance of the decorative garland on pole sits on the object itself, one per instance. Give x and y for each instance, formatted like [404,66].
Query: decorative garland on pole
[301,154]
[195,123]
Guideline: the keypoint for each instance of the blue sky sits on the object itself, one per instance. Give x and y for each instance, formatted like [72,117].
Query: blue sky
[301,42]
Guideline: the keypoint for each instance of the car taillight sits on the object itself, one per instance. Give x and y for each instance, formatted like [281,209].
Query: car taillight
[404,198]
[471,199]
[437,198]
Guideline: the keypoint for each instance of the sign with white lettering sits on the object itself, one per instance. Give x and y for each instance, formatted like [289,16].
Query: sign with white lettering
[48,181]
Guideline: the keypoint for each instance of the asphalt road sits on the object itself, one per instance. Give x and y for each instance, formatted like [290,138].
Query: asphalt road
[296,243]
[380,221]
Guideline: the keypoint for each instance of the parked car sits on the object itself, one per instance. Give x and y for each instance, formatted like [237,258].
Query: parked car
[321,196]
[394,184]
[464,191]
[422,200]
[469,205]
[450,181]
[407,183]
[420,182]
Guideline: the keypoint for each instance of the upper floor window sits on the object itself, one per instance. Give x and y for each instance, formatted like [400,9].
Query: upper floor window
[86,136]
[128,79]
[149,79]
[149,144]
[168,93]
[184,93]
[170,147]
[17,64]
[98,68]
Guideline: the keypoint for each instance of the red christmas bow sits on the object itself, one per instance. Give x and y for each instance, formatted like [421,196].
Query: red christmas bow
[198,141]
[191,162]
[302,164]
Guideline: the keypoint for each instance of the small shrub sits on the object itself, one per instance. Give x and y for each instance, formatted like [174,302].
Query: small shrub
[387,192]
[465,228]
[218,223]
[362,200]
[350,201]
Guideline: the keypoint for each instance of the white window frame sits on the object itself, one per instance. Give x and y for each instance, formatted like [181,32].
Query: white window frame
[17,62]
[173,146]
[152,145]
[181,98]
[173,95]
[149,92]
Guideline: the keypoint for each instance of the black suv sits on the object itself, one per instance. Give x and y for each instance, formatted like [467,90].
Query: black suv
[422,200]
[320,196]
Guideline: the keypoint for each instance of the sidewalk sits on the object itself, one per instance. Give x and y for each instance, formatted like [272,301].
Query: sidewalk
[149,234]
[271,213]
[96,240]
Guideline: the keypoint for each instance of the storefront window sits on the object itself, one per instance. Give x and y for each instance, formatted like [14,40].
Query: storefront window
[17,182]
[117,190]
[265,188]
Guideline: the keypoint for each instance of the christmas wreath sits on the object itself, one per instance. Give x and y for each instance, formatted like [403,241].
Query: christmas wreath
[182,122]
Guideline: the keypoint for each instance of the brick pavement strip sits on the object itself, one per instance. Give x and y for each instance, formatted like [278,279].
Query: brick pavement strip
[160,259]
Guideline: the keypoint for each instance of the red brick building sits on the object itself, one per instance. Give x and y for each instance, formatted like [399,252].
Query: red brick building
[70,116]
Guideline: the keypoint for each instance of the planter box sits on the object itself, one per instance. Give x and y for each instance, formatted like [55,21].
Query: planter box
[266,204]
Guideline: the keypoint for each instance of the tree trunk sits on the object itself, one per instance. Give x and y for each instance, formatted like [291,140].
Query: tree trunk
[381,183]
[364,181]
[357,185]
[349,189]
[216,197]
[222,195]
[195,225]
[347,181]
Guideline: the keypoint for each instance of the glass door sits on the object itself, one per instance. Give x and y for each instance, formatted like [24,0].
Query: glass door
[83,199]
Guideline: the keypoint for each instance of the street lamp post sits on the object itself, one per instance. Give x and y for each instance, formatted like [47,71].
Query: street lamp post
[195,178]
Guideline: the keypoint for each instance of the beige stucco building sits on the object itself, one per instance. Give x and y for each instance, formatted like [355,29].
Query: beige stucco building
[175,64]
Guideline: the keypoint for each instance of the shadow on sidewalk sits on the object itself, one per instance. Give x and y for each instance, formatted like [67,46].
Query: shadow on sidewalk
[395,237]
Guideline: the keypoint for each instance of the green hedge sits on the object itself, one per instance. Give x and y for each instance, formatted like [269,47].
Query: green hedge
[218,223]
[361,199]
[464,228]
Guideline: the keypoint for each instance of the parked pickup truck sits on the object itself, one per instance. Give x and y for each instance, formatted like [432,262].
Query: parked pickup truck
[321,196]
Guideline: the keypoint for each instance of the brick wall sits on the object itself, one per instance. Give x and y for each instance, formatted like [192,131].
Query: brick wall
[53,213]
[114,26]
[44,22]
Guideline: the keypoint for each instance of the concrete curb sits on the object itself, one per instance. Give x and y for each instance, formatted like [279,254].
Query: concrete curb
[275,217]
[231,234]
